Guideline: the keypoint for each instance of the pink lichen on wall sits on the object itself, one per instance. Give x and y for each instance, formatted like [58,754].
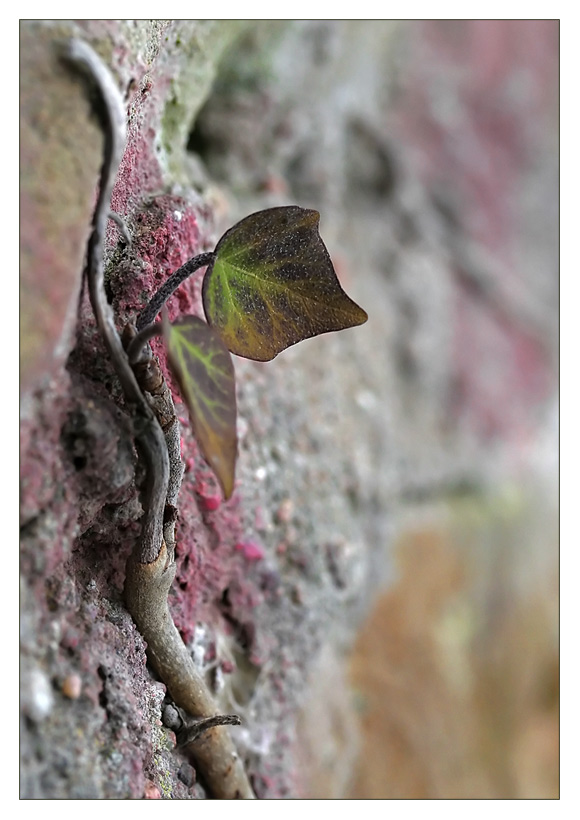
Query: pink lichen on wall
[251,550]
[206,535]
[140,171]
[139,174]
[477,97]
[501,370]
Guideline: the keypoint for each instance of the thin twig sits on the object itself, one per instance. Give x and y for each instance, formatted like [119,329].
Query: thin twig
[192,732]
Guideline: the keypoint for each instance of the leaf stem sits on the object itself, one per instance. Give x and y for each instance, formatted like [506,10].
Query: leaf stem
[150,311]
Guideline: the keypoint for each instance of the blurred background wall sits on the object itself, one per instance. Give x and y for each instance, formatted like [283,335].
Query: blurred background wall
[401,479]
[432,148]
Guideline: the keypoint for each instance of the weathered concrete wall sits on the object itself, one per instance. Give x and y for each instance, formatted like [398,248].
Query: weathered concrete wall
[430,151]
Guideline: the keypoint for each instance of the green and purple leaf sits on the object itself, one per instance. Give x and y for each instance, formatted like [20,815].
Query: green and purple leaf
[204,370]
[272,284]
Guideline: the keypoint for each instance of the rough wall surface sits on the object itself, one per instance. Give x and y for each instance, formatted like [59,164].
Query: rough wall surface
[430,151]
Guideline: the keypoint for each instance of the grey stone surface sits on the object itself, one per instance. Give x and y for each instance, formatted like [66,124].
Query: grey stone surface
[338,435]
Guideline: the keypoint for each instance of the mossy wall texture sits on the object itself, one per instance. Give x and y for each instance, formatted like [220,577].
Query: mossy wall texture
[430,150]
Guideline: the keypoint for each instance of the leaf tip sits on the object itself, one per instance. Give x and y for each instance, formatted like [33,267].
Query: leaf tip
[312,217]
[363,316]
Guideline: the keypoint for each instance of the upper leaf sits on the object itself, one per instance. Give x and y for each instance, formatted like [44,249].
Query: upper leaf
[204,370]
[272,284]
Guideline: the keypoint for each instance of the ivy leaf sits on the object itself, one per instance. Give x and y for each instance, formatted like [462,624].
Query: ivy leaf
[272,284]
[204,370]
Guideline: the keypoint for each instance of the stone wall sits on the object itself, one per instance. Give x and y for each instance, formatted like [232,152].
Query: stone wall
[430,150]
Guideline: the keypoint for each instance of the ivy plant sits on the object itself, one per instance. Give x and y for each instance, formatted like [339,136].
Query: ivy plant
[269,284]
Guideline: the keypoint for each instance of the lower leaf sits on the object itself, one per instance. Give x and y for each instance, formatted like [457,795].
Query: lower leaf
[204,371]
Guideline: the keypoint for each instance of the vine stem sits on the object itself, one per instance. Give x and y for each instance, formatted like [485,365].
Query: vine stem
[138,342]
[149,435]
[151,568]
[150,311]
